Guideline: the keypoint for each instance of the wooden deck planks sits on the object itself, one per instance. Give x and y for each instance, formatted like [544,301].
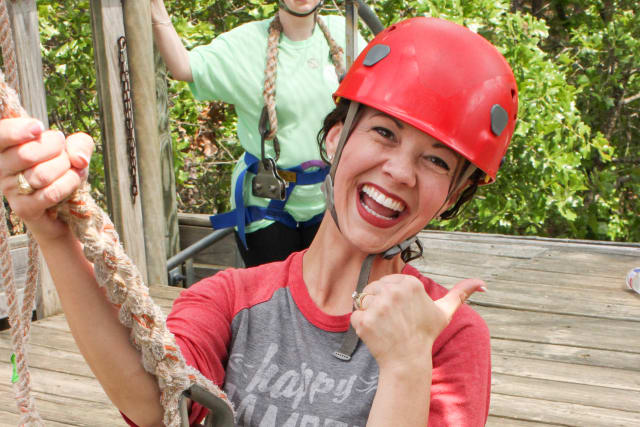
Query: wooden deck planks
[565,335]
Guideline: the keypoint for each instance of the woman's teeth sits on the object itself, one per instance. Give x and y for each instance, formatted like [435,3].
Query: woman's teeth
[384,201]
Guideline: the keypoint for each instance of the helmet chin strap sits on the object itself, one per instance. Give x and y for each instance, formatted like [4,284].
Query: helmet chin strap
[283,6]
[350,340]
[463,172]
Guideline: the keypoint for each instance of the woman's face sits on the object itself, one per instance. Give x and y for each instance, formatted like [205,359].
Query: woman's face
[391,181]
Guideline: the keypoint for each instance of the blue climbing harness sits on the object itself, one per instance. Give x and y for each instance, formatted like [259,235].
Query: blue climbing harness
[243,215]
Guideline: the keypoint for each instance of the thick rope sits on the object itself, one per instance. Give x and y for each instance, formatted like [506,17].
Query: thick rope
[19,318]
[337,53]
[8,50]
[20,326]
[270,71]
[116,272]
[269,91]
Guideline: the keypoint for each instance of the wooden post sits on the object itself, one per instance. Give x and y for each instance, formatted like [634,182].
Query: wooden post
[172,234]
[26,36]
[125,211]
[137,22]
[351,31]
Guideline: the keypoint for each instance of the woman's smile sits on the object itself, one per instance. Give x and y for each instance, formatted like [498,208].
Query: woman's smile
[378,207]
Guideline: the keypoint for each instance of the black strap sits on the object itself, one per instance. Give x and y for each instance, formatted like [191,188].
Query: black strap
[350,340]
[327,185]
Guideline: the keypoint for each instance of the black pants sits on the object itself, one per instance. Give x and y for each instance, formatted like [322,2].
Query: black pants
[275,243]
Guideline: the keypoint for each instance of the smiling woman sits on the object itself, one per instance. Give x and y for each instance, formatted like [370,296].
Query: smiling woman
[424,116]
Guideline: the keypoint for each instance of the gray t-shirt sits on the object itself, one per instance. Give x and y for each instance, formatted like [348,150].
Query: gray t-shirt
[258,333]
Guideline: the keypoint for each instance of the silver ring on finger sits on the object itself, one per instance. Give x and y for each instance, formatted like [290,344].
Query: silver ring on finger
[358,299]
[24,187]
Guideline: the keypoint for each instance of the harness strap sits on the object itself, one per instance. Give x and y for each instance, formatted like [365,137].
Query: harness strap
[243,215]
[350,339]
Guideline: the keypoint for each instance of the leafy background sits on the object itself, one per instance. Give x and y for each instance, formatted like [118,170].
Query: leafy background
[573,169]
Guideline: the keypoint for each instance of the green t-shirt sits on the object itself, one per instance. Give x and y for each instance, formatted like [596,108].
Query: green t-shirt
[231,69]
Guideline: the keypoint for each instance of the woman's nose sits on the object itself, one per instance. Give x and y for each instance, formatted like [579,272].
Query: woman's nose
[401,168]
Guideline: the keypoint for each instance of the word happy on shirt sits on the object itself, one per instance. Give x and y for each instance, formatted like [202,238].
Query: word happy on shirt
[271,397]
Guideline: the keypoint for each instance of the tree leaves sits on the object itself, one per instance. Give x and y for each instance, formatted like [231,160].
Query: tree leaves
[573,169]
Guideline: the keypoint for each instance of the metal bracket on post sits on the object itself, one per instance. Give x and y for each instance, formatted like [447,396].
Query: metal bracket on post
[369,17]
[220,414]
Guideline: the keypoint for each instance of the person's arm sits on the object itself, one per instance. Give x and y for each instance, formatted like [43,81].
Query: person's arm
[399,323]
[55,167]
[171,48]
[403,395]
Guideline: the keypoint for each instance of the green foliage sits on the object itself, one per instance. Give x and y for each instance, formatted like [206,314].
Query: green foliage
[573,168]
[560,177]
[67,57]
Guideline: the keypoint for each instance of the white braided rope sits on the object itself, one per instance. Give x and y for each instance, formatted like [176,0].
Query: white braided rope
[271,66]
[19,317]
[20,326]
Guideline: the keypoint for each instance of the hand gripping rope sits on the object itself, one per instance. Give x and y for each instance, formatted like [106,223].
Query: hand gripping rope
[116,272]
[19,317]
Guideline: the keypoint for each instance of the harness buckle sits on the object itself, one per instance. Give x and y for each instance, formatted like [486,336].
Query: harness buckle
[288,176]
[267,183]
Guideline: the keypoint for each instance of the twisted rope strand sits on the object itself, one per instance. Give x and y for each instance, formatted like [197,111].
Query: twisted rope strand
[269,91]
[270,71]
[19,333]
[116,272]
[337,53]
[8,50]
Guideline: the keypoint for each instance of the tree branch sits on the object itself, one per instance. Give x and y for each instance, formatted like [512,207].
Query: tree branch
[631,98]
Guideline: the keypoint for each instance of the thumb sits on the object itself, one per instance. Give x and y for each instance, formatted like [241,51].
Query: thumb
[452,301]
[79,149]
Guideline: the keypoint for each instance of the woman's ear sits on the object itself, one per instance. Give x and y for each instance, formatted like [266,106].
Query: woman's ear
[332,139]
[453,199]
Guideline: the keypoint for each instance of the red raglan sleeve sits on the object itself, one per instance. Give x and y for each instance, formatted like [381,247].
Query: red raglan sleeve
[201,322]
[461,378]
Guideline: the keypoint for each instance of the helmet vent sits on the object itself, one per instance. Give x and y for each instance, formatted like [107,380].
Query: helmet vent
[376,54]
[499,119]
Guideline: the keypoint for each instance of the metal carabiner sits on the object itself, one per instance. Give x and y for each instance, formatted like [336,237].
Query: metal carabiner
[264,129]
[267,183]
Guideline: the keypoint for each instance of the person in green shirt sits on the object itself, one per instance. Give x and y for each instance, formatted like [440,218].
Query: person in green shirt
[283,69]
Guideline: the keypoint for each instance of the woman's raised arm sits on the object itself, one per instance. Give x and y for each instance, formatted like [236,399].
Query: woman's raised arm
[173,52]
[51,167]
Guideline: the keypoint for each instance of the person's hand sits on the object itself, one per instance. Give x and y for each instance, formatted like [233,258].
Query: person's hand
[39,169]
[399,322]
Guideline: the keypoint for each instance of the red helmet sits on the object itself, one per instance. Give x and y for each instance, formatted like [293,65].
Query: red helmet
[443,79]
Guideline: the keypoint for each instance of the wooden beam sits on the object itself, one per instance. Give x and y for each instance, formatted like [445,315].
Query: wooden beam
[26,36]
[137,20]
[125,211]
[351,31]
[24,25]
[172,235]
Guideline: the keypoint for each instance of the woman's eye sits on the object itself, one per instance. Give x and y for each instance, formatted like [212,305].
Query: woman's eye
[384,132]
[438,163]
